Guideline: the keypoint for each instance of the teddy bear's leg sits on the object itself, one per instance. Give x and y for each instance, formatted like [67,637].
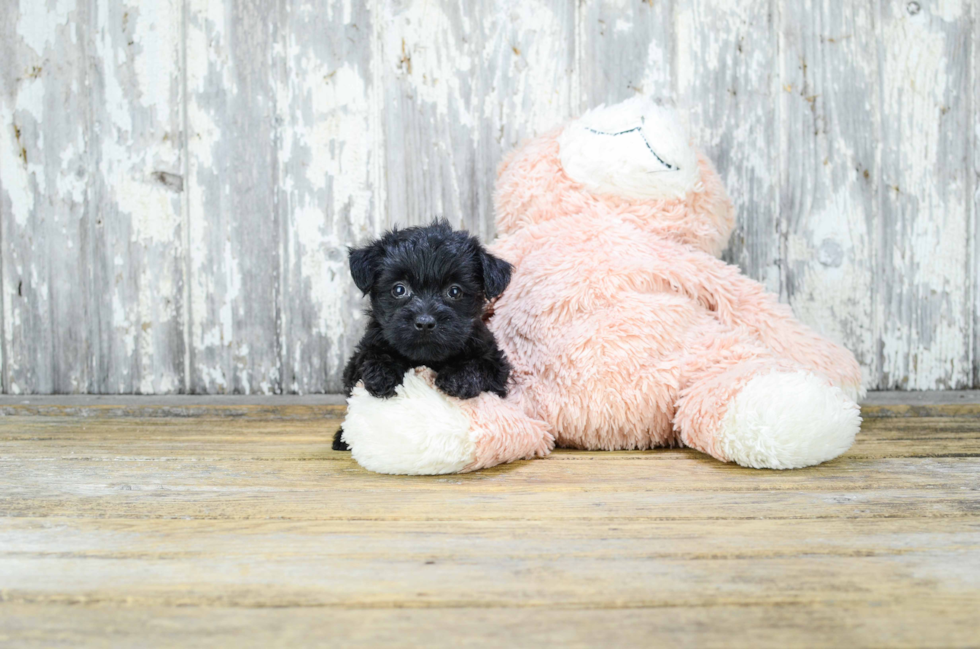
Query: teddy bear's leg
[421,431]
[742,303]
[739,403]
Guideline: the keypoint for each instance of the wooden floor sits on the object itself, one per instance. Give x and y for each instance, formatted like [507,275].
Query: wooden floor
[205,526]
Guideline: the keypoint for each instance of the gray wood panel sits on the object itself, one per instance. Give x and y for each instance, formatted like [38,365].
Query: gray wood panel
[827,169]
[975,190]
[725,69]
[330,179]
[136,241]
[924,326]
[232,217]
[45,269]
[92,209]
[464,83]
[625,48]
[179,181]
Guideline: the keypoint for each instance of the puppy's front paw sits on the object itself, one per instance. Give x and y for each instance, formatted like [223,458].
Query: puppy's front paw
[338,441]
[380,380]
[461,382]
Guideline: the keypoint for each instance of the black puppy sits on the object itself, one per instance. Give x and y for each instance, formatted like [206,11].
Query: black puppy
[429,287]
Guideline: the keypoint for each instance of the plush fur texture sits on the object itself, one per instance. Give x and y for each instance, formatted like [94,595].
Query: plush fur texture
[636,148]
[624,329]
[421,431]
[788,420]
[417,431]
[429,287]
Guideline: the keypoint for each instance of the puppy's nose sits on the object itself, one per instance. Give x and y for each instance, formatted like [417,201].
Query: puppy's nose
[425,323]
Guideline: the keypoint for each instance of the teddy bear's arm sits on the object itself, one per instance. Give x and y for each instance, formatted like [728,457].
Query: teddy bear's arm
[741,302]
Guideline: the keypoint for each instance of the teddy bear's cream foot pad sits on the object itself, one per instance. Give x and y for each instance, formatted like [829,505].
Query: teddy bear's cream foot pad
[788,420]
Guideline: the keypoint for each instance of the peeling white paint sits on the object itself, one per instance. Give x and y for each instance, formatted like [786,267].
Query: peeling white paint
[123,324]
[536,81]
[116,103]
[156,34]
[431,61]
[926,344]
[327,157]
[656,81]
[73,175]
[205,134]
[948,10]
[38,25]
[15,178]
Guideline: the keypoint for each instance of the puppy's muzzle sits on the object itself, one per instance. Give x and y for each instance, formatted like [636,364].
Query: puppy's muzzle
[425,323]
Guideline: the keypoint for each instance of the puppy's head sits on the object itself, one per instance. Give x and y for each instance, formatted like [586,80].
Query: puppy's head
[428,287]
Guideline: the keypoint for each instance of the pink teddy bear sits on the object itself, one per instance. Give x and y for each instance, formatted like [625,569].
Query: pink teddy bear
[624,329]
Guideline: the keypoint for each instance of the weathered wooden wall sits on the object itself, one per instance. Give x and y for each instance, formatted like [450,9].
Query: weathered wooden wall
[179,178]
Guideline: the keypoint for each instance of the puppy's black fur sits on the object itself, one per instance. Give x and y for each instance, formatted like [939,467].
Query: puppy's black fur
[429,287]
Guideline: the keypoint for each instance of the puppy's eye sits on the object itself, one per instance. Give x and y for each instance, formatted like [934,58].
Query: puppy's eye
[400,290]
[455,292]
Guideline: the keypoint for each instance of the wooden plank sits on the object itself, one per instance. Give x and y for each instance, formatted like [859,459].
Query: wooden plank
[181,526]
[44,211]
[463,541]
[233,222]
[927,622]
[36,478]
[309,410]
[315,446]
[136,244]
[227,469]
[464,83]
[625,50]
[91,173]
[965,409]
[564,575]
[828,171]
[975,213]
[948,403]
[234,423]
[725,75]
[924,312]
[305,437]
[330,178]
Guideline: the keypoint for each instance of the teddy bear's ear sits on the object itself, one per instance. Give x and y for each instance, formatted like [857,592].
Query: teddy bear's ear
[496,274]
[364,263]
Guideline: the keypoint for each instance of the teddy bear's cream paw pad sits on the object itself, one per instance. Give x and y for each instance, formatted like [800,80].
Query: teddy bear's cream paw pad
[419,431]
[635,149]
[788,420]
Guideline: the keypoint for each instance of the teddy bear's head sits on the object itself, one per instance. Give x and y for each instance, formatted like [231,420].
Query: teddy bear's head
[632,160]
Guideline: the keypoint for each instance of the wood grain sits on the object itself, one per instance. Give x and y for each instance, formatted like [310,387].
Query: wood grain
[975,186]
[41,327]
[829,625]
[91,170]
[329,156]
[249,530]
[626,49]
[233,222]
[725,62]
[464,83]
[828,206]
[924,241]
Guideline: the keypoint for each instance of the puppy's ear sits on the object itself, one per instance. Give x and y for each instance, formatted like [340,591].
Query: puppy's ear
[364,263]
[496,274]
